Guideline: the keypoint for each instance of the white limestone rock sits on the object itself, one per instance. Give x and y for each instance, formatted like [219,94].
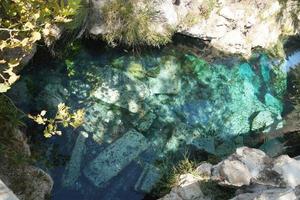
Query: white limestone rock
[6,193]
[270,194]
[204,170]
[234,173]
[254,159]
[188,189]
[229,26]
[289,169]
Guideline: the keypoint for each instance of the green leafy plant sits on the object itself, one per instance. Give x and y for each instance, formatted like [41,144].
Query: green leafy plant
[63,117]
[70,67]
[130,22]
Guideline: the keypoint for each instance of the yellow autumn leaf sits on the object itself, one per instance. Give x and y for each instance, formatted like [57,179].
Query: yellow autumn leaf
[36,16]
[43,112]
[62,19]
[13,64]
[15,41]
[47,134]
[3,44]
[35,36]
[24,42]
[46,31]
[4,87]
[9,71]
[28,25]
[13,78]
[40,120]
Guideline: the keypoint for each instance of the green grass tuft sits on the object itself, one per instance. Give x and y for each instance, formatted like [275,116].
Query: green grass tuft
[127,22]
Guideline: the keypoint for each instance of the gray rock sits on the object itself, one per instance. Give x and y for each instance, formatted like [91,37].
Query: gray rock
[188,189]
[234,173]
[6,193]
[204,170]
[27,182]
[271,194]
[39,184]
[288,169]
[254,159]
[115,157]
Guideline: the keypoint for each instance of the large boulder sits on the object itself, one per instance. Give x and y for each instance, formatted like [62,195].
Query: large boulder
[188,189]
[25,180]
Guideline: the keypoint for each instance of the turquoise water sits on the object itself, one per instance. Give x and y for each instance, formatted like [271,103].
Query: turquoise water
[146,109]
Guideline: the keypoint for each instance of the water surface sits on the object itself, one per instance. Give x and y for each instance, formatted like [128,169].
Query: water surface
[146,109]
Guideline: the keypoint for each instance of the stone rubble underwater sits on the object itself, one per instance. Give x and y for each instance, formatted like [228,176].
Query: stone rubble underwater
[142,108]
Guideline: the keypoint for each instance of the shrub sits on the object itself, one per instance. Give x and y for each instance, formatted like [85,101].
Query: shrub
[22,24]
[130,22]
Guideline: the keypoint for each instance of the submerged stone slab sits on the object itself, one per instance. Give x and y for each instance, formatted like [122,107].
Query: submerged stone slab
[206,144]
[228,99]
[116,157]
[144,122]
[262,119]
[168,80]
[149,177]
[72,171]
[118,89]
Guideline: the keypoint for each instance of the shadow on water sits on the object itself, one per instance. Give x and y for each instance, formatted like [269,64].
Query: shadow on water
[184,97]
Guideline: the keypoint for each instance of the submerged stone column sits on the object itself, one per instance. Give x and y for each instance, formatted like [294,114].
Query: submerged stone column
[116,157]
